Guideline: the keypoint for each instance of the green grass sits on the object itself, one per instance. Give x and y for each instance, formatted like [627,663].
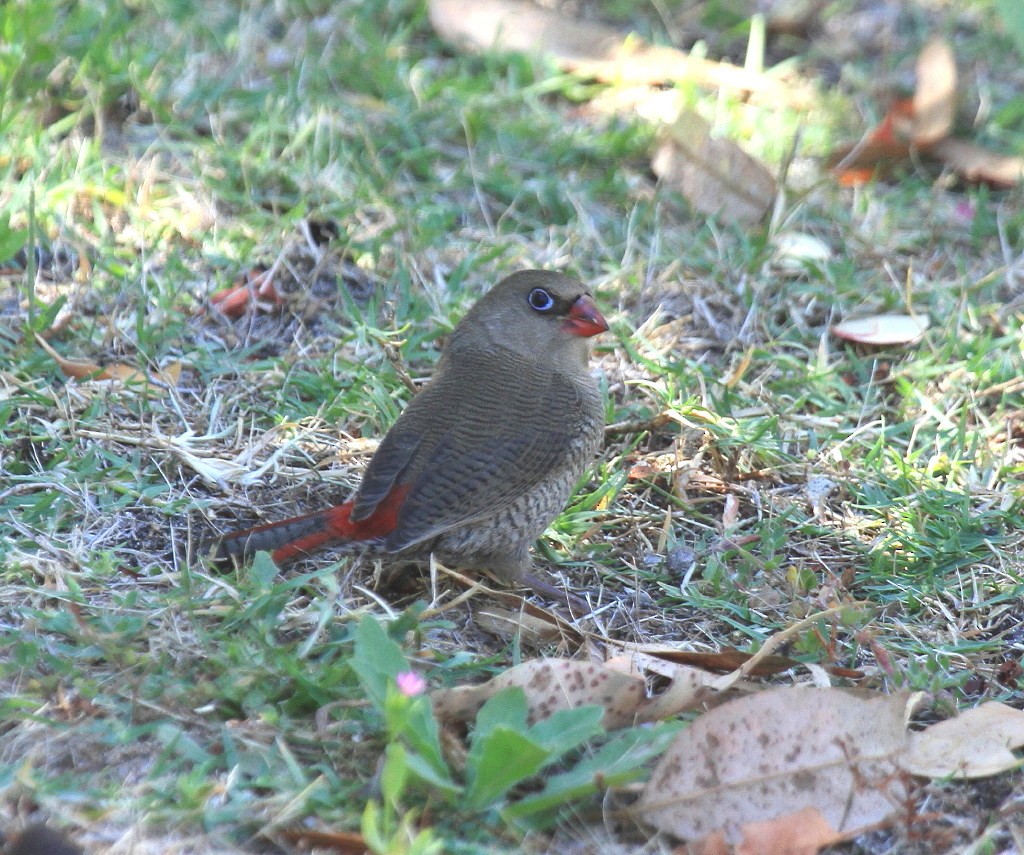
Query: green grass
[152,154]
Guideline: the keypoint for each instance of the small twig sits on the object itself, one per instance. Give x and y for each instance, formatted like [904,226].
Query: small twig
[775,641]
[631,426]
[394,356]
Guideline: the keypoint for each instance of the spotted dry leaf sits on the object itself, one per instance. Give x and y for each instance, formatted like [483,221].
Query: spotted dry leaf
[551,685]
[767,755]
[688,688]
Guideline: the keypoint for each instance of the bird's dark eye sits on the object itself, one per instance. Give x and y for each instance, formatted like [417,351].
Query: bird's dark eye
[540,300]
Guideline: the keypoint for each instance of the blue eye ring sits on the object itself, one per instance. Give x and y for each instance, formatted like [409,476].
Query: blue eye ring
[540,300]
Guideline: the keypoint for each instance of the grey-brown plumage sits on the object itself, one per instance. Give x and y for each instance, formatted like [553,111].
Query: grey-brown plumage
[487,454]
[39,839]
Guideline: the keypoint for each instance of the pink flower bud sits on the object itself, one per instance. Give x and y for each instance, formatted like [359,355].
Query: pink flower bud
[411,683]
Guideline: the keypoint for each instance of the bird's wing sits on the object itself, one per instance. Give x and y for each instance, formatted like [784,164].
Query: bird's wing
[500,440]
[390,462]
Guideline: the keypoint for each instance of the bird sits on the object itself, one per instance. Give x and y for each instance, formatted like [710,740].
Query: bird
[486,455]
[39,839]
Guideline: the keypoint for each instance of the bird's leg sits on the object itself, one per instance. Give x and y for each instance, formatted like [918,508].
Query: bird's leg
[513,568]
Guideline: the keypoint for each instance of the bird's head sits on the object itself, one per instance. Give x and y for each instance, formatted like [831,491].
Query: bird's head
[537,312]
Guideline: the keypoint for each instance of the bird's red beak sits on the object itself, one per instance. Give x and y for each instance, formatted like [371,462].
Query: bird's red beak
[584,319]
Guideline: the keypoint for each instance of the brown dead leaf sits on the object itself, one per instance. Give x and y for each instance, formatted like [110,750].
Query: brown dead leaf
[934,105]
[721,661]
[730,511]
[763,756]
[919,121]
[170,374]
[551,685]
[1009,673]
[346,842]
[729,659]
[714,174]
[802,833]
[977,743]
[117,371]
[643,471]
[81,370]
[254,291]
[977,164]
[881,148]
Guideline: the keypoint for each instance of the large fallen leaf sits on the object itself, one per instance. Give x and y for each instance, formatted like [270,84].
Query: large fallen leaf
[978,164]
[935,93]
[591,48]
[714,174]
[763,756]
[557,684]
[975,744]
[884,329]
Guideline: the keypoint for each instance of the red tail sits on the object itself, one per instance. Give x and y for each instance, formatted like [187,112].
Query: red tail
[292,538]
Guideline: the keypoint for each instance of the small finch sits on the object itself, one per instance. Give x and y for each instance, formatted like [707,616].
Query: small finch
[487,454]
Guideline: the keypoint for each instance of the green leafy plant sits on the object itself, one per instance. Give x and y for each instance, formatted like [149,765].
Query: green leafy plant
[11,239]
[505,751]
